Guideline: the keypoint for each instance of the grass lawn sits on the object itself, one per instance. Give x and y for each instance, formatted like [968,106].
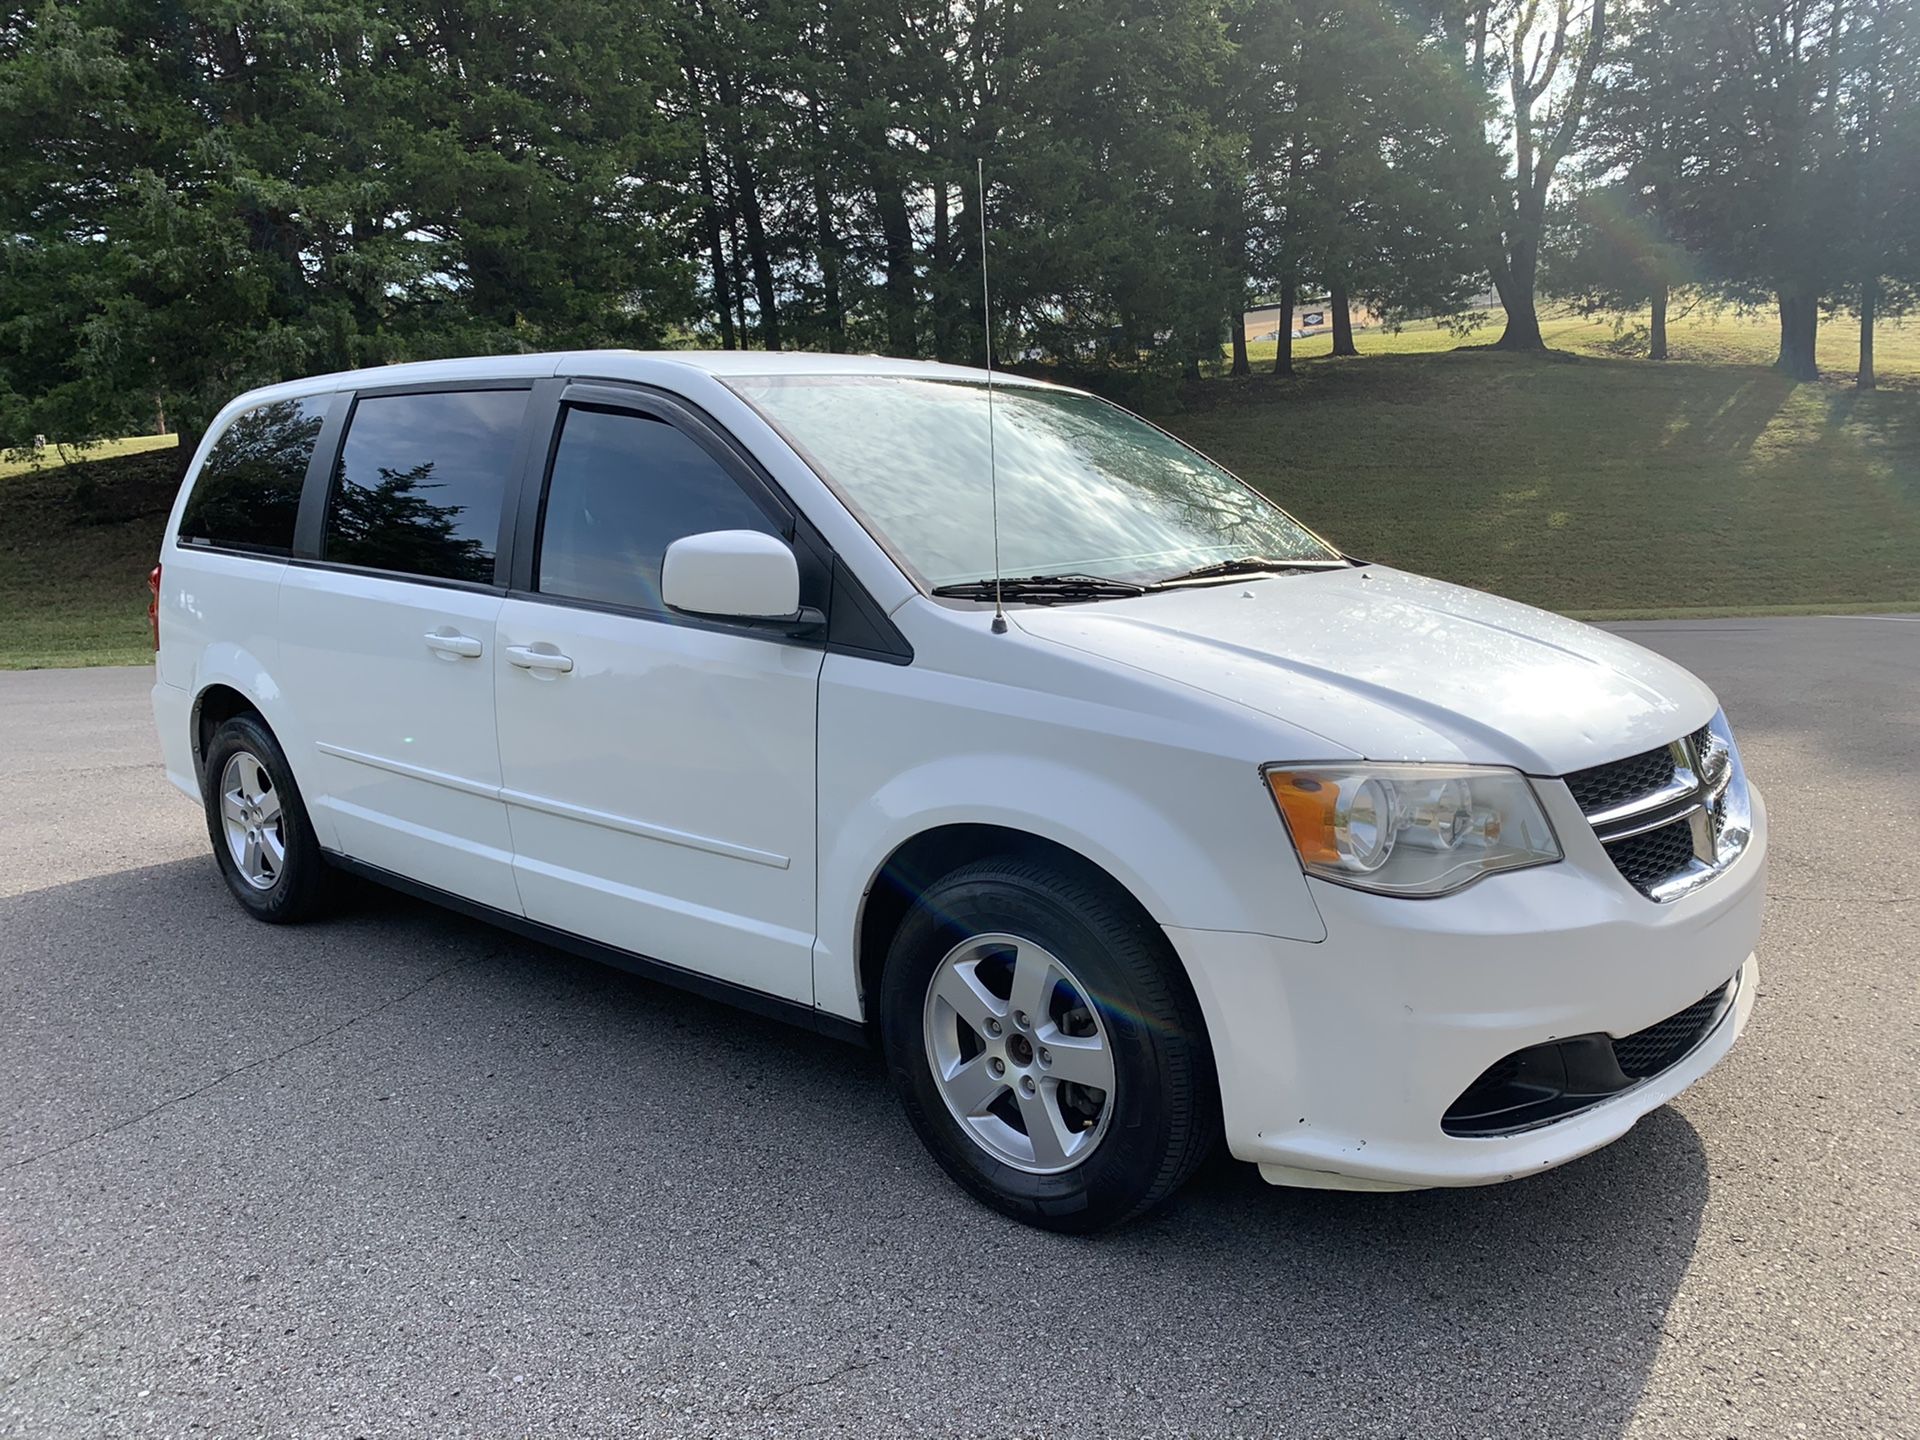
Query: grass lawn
[76,543]
[1593,483]
[1589,481]
[57,454]
[1702,337]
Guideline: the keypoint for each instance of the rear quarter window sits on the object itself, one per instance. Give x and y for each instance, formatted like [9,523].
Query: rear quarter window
[247,495]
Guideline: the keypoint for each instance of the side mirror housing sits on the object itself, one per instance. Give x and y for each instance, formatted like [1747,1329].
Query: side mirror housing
[738,575]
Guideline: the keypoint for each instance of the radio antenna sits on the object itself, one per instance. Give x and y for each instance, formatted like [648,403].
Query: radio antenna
[993,467]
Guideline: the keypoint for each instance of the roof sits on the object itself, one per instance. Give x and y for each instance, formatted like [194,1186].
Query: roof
[635,365]
[801,362]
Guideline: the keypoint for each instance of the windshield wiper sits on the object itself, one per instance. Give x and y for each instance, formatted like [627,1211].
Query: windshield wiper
[1043,589]
[1247,565]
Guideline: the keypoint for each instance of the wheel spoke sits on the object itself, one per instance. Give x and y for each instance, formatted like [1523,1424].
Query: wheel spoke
[1082,1059]
[1018,1051]
[959,986]
[1044,1129]
[972,1087]
[250,857]
[270,807]
[1033,980]
[252,782]
[274,849]
[231,805]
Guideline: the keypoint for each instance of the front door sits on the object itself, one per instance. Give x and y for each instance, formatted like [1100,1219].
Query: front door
[658,772]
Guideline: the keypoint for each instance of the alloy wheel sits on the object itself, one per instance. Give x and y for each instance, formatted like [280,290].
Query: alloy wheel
[1019,1053]
[254,824]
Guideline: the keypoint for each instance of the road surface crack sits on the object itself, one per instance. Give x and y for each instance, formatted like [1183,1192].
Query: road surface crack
[852,1366]
[251,1065]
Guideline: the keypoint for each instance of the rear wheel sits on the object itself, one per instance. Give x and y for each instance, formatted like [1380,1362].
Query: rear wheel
[1046,1045]
[262,838]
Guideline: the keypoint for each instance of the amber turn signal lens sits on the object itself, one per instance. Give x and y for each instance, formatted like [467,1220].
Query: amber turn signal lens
[1307,802]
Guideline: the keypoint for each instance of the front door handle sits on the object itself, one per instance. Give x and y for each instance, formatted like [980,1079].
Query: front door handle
[528,657]
[447,643]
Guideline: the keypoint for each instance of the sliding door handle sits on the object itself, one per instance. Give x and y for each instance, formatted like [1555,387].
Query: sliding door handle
[454,647]
[532,657]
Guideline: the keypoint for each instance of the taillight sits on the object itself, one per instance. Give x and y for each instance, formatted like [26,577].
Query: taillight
[153,604]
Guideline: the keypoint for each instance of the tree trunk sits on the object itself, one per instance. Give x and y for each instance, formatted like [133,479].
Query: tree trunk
[1515,282]
[1865,379]
[746,198]
[1799,324]
[829,263]
[1523,328]
[969,311]
[1657,341]
[190,437]
[1341,304]
[896,230]
[1283,337]
[737,276]
[940,272]
[1232,217]
[716,251]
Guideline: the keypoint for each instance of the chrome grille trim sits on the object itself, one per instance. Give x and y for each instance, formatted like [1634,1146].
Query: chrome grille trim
[1688,795]
[1677,790]
[1706,790]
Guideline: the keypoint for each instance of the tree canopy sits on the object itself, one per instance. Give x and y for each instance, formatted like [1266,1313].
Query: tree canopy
[203,195]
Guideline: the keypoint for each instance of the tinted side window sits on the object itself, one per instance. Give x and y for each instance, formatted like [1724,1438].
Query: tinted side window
[419,482]
[248,493]
[624,487]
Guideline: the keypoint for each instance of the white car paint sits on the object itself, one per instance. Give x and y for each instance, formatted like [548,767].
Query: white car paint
[725,803]
[661,793]
[1495,682]
[703,574]
[400,726]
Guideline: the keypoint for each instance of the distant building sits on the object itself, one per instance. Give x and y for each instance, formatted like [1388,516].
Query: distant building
[1311,316]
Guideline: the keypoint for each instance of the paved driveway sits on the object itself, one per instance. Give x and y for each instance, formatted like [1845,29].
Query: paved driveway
[403,1175]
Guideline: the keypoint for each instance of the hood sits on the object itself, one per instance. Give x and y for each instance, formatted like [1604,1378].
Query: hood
[1390,666]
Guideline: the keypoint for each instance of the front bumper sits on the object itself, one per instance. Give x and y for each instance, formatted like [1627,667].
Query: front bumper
[1337,1060]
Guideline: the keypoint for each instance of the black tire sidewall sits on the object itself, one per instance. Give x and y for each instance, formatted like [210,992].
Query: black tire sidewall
[293,895]
[1123,965]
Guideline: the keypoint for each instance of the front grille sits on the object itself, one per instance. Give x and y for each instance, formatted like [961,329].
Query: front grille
[1549,1082]
[1644,809]
[1658,855]
[1605,786]
[1712,751]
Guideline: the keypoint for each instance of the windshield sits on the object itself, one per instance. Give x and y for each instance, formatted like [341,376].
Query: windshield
[1085,488]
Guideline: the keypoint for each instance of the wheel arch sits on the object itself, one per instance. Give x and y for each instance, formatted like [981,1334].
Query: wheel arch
[213,706]
[232,680]
[924,858]
[1188,848]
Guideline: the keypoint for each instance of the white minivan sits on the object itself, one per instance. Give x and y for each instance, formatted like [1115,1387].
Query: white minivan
[693,663]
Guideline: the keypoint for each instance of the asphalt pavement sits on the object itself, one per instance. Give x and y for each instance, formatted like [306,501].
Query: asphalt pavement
[400,1174]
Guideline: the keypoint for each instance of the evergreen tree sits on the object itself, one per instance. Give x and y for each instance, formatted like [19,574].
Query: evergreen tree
[201,197]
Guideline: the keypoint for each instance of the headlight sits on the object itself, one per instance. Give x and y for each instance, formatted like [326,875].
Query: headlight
[1411,829]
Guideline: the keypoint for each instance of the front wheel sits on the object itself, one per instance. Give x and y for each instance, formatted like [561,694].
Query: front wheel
[1047,1046]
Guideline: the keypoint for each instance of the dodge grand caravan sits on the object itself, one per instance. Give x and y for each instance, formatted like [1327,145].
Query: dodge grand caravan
[1140,818]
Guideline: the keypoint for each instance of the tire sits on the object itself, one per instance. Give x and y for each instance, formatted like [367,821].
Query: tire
[1111,982]
[263,830]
